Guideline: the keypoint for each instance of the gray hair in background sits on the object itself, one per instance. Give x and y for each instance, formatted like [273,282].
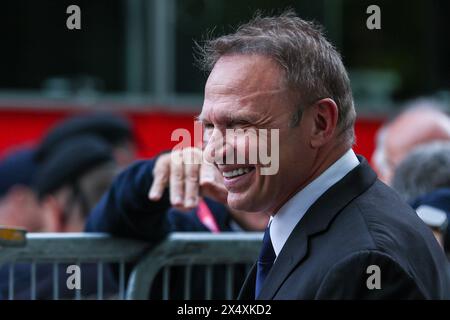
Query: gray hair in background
[425,103]
[312,66]
[379,157]
[425,169]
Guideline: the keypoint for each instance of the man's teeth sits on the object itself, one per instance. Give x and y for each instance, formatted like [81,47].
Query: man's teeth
[237,172]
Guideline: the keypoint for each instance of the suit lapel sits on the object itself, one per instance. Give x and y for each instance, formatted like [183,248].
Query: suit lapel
[315,220]
[248,288]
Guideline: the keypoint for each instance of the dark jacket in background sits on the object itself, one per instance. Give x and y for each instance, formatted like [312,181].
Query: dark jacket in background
[126,211]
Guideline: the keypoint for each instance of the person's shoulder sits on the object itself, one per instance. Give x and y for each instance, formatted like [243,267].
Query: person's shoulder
[357,274]
[138,166]
[139,172]
[397,231]
[378,219]
[388,218]
[381,230]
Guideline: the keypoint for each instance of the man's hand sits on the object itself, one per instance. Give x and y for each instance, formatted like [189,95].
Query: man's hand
[189,177]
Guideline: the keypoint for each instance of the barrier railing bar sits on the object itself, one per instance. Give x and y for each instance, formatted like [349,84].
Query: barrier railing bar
[178,249]
[55,281]
[187,282]
[99,281]
[122,279]
[33,280]
[166,283]
[11,281]
[230,279]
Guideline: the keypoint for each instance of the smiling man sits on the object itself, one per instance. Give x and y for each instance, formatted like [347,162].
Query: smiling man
[332,220]
[336,231]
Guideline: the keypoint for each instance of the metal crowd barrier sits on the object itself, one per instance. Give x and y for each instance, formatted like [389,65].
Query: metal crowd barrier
[135,264]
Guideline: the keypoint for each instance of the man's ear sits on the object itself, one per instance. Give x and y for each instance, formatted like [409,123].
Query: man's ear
[52,214]
[325,117]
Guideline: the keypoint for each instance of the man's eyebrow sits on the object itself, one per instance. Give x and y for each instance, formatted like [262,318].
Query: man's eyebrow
[230,119]
[241,118]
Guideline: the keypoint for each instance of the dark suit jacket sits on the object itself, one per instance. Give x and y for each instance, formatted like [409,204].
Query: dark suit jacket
[357,223]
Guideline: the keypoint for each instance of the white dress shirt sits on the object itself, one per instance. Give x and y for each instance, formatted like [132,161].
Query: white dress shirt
[285,220]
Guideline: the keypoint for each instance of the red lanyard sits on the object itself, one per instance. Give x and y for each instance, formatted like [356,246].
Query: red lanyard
[206,217]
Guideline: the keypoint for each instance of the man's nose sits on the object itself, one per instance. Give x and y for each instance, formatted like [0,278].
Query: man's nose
[212,146]
[215,148]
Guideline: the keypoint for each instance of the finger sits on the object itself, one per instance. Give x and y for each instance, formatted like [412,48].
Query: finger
[176,180]
[191,185]
[209,173]
[192,158]
[211,184]
[161,173]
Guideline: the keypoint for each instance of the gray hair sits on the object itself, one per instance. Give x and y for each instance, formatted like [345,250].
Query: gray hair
[312,65]
[425,169]
[379,158]
[422,104]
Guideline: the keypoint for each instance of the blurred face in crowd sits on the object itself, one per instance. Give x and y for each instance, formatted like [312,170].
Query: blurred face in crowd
[66,209]
[62,212]
[409,130]
[248,92]
[20,208]
[125,153]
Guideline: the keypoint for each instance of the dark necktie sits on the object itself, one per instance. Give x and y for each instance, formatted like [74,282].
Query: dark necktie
[265,261]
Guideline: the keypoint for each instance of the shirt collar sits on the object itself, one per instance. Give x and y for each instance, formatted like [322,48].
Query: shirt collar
[289,215]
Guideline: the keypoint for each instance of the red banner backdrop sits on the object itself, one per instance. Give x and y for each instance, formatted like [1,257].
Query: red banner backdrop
[153,129]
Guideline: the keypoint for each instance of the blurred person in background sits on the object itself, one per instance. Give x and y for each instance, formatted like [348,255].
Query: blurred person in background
[421,179]
[18,202]
[434,209]
[148,200]
[149,186]
[422,121]
[425,169]
[19,206]
[69,182]
[114,130]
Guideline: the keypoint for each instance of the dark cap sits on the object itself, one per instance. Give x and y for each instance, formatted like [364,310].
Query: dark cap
[434,209]
[70,161]
[18,168]
[112,129]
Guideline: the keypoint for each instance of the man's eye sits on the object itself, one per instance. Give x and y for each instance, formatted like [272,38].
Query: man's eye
[208,126]
[238,124]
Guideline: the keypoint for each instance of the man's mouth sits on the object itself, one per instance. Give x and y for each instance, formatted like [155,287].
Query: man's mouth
[238,178]
[237,172]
